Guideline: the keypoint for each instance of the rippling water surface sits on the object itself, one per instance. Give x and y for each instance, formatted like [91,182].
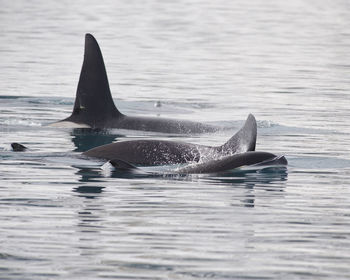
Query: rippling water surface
[287,62]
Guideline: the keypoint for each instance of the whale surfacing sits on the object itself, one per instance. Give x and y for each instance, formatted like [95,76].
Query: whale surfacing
[220,165]
[158,152]
[94,106]
[237,152]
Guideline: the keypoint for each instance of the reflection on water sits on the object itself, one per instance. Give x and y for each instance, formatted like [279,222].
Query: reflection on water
[89,174]
[272,179]
[88,191]
[87,138]
[265,175]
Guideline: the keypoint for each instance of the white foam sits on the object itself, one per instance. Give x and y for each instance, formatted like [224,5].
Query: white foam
[106,169]
[13,122]
[66,124]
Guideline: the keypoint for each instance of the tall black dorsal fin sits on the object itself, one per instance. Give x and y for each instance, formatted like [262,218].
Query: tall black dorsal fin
[93,102]
[243,141]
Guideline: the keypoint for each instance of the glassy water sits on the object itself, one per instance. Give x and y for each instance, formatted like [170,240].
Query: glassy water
[213,61]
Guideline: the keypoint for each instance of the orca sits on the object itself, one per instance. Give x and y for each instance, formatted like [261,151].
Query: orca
[94,106]
[160,152]
[237,152]
[215,166]
[224,164]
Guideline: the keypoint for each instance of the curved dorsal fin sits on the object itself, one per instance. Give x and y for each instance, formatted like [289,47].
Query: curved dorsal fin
[93,102]
[243,141]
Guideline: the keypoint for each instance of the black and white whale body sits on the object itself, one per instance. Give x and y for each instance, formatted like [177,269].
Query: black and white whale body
[159,152]
[224,164]
[231,162]
[94,106]
[237,152]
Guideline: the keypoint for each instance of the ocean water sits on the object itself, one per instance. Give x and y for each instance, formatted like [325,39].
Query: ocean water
[287,62]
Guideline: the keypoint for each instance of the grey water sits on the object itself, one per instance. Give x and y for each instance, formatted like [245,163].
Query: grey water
[287,62]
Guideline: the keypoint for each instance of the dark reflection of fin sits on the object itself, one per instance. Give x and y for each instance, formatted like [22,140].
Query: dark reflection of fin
[88,191]
[87,138]
[89,175]
[249,201]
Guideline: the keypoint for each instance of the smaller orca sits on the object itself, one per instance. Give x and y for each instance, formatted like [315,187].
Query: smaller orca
[224,164]
[159,152]
[228,163]
[94,106]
